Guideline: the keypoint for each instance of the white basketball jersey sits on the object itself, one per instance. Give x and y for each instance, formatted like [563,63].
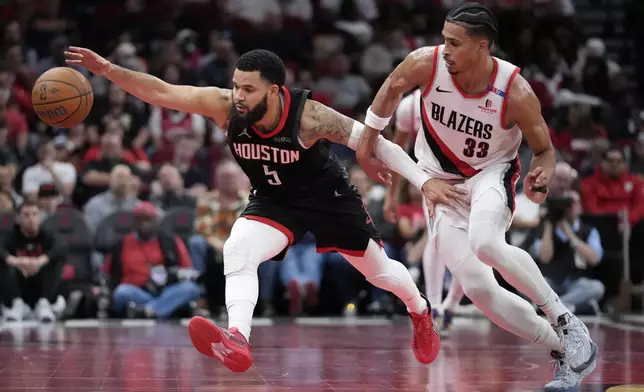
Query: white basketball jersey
[463,134]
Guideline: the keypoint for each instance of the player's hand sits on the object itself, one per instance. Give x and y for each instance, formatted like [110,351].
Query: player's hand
[390,207]
[376,170]
[535,185]
[87,59]
[437,191]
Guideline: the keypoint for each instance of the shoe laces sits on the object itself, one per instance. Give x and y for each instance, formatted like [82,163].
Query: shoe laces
[557,363]
[423,325]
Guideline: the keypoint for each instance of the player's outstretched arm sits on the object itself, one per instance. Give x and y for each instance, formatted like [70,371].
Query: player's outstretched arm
[524,108]
[412,72]
[208,101]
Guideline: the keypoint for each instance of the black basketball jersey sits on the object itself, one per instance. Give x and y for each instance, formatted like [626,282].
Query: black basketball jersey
[276,162]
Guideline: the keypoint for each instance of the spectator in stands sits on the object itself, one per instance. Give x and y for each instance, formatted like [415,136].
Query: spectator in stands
[95,176]
[16,122]
[48,171]
[116,108]
[594,71]
[182,156]
[527,215]
[567,249]
[301,274]
[31,263]
[638,156]
[345,88]
[167,125]
[150,271]
[6,202]
[132,155]
[613,188]
[119,196]
[216,213]
[168,191]
[8,168]
[218,64]
[49,199]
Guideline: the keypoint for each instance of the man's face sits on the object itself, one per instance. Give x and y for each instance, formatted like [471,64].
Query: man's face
[461,51]
[228,178]
[614,164]
[250,97]
[30,218]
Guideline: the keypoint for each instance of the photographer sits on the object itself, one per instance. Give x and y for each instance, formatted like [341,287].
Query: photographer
[566,248]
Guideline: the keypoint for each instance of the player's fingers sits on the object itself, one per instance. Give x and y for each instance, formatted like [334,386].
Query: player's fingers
[454,182]
[73,55]
[541,180]
[68,61]
[458,190]
[80,50]
[432,209]
[536,173]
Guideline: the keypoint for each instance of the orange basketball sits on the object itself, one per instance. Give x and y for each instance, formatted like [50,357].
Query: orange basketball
[62,97]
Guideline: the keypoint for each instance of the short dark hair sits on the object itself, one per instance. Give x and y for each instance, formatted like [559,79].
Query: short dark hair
[610,149]
[477,19]
[25,204]
[270,66]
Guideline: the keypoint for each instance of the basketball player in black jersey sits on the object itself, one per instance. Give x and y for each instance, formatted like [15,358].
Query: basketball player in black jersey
[280,138]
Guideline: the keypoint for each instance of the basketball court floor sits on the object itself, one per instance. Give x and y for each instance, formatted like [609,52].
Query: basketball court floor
[306,355]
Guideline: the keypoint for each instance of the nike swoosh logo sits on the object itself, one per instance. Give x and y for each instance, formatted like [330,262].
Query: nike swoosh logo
[438,89]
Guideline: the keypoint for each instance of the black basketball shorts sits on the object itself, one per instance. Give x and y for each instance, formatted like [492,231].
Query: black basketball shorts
[339,224]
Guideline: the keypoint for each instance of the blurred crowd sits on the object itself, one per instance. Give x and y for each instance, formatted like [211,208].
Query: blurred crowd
[125,215]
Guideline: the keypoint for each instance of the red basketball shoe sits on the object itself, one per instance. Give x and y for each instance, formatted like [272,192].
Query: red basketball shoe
[228,346]
[426,341]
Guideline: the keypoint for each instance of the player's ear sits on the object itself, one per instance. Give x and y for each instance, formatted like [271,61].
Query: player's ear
[483,44]
[275,91]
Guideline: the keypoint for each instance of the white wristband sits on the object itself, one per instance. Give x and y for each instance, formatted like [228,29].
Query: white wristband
[374,121]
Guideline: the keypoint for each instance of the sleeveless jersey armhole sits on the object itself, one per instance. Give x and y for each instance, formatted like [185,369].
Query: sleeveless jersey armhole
[303,96]
[430,83]
[504,106]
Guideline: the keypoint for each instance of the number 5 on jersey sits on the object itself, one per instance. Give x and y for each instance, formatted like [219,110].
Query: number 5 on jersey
[275,179]
[471,147]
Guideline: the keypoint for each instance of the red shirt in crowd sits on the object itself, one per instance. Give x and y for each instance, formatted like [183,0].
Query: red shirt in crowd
[137,257]
[601,194]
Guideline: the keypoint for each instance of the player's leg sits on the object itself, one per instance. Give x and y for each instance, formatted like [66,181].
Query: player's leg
[252,241]
[354,235]
[391,275]
[491,212]
[477,281]
[433,269]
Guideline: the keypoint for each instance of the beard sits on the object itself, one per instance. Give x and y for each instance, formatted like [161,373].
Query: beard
[252,115]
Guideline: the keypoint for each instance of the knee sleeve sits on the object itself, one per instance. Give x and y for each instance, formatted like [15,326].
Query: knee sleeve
[251,243]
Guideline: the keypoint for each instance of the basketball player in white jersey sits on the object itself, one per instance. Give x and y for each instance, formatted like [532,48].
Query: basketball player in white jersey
[475,111]
[408,120]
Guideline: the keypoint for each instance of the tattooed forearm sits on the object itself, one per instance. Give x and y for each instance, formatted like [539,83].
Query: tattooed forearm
[322,122]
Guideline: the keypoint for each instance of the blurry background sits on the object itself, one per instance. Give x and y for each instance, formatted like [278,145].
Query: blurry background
[102,187]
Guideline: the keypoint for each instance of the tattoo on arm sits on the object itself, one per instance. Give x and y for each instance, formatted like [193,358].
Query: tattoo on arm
[322,122]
